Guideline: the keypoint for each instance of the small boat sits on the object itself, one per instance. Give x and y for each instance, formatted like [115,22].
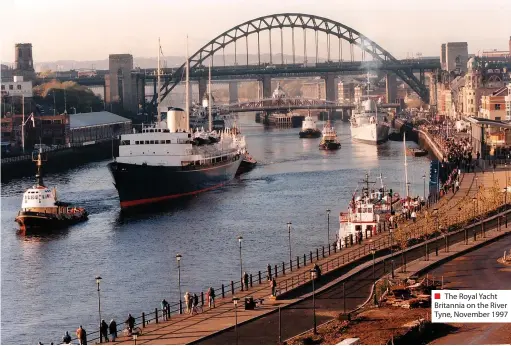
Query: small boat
[40,208]
[329,140]
[309,129]
[417,152]
[247,164]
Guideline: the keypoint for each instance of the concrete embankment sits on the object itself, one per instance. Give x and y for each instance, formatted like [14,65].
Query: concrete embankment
[421,137]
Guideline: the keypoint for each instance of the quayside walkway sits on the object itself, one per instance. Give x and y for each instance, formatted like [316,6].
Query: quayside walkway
[185,328]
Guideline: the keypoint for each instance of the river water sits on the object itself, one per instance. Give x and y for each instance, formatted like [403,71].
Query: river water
[48,283]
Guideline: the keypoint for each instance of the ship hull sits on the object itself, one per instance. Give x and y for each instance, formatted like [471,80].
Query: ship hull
[310,133]
[139,185]
[44,221]
[370,134]
[330,146]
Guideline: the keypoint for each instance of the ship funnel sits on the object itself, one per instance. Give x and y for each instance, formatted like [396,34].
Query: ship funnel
[176,120]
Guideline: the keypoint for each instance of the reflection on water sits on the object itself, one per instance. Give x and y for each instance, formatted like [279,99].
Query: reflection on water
[48,279]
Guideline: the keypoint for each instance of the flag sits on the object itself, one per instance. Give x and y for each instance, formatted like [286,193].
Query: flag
[33,120]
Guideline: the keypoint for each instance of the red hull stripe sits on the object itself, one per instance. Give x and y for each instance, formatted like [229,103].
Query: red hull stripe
[127,204]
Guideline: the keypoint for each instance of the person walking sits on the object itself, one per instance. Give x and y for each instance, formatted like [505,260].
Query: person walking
[80,332]
[195,303]
[273,285]
[164,309]
[187,302]
[66,339]
[103,329]
[211,297]
[245,280]
[131,324]
[414,216]
[112,328]
[84,337]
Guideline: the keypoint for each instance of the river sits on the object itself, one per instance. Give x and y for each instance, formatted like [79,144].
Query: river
[48,284]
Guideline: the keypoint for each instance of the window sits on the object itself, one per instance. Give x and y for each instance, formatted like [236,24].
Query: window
[151,142]
[18,86]
[146,142]
[11,87]
[3,87]
[167,141]
[497,107]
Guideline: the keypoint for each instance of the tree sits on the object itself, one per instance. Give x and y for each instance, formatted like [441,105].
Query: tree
[68,96]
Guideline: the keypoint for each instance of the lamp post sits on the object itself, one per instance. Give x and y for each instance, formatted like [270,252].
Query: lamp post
[408,189]
[314,274]
[424,180]
[240,238]
[475,203]
[289,237]
[505,193]
[328,227]
[178,259]
[98,280]
[373,252]
[235,301]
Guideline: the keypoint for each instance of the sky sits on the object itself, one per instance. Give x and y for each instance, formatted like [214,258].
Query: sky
[93,29]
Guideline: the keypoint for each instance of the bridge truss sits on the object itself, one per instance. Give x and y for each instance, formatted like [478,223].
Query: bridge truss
[294,21]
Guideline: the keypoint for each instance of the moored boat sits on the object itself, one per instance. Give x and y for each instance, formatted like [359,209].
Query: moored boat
[417,152]
[41,210]
[329,140]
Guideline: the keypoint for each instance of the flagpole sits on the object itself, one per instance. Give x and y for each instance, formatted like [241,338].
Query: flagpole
[23,123]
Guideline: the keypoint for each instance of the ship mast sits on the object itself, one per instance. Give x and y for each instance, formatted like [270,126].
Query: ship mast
[210,101]
[406,165]
[158,115]
[39,175]
[187,90]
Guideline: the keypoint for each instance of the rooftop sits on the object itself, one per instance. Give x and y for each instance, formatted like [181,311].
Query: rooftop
[95,119]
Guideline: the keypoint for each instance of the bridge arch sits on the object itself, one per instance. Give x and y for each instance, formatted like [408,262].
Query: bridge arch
[294,20]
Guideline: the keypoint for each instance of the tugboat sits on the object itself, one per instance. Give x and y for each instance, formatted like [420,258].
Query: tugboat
[365,212]
[40,208]
[309,129]
[329,140]
[248,162]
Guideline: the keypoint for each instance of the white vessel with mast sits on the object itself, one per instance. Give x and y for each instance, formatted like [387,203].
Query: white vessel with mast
[368,125]
[166,160]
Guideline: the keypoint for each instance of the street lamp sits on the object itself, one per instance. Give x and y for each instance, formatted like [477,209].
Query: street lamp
[475,203]
[328,227]
[314,275]
[408,189]
[505,193]
[289,236]
[240,238]
[424,179]
[178,259]
[98,280]
[235,301]
[373,252]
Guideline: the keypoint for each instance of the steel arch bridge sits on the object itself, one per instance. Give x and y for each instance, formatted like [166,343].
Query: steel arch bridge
[295,21]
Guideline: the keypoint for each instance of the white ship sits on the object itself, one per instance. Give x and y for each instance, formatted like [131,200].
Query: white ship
[368,125]
[309,129]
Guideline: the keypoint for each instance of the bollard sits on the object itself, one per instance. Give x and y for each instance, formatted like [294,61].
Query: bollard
[290,265]
[304,260]
[156,314]
[202,298]
[223,291]
[269,271]
[283,268]
[276,274]
[181,304]
[232,287]
[251,280]
[297,262]
[143,319]
[323,247]
[259,273]
[329,247]
[310,257]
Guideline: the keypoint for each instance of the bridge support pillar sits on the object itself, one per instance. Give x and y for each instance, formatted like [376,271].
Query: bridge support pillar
[391,83]
[233,92]
[330,87]
[203,87]
[120,84]
[267,87]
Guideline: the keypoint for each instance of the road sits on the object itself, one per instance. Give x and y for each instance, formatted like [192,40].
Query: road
[478,270]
